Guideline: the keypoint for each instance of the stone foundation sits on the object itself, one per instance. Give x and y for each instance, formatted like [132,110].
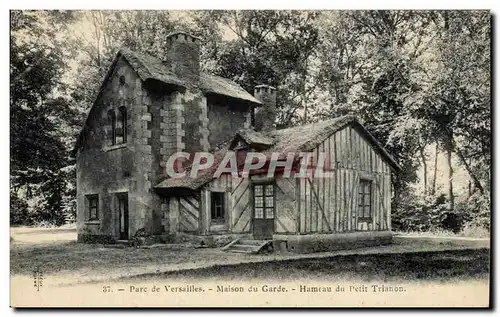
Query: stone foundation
[310,243]
[211,241]
[95,238]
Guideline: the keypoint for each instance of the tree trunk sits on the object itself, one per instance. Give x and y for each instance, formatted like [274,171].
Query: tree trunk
[303,88]
[434,177]
[475,180]
[451,198]
[424,162]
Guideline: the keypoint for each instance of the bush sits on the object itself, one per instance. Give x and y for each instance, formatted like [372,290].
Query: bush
[473,231]
[19,214]
[430,213]
[36,207]
[416,213]
[478,210]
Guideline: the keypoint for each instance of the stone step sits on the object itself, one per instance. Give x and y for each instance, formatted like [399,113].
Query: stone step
[251,242]
[240,251]
[247,246]
[244,247]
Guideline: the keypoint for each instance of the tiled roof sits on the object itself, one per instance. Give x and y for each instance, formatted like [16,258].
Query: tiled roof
[149,67]
[298,139]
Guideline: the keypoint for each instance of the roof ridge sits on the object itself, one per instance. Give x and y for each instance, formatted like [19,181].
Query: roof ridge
[209,83]
[139,52]
[345,117]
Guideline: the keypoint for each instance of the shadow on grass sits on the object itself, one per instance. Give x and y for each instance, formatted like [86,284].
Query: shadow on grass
[411,266]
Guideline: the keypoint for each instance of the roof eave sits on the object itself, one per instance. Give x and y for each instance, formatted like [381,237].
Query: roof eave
[389,158]
[247,101]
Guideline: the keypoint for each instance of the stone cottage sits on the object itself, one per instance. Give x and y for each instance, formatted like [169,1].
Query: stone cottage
[149,108]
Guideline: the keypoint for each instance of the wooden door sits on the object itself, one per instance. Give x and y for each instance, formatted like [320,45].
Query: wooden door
[264,207]
[123,212]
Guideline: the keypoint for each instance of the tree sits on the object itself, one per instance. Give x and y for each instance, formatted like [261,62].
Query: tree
[269,47]
[459,92]
[106,33]
[369,61]
[40,117]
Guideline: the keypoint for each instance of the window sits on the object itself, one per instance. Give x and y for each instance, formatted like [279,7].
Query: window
[252,117]
[217,207]
[121,127]
[93,207]
[365,200]
[112,123]
[118,132]
[264,201]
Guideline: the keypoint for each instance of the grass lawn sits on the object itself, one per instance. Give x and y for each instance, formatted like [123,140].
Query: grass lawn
[421,266]
[63,261]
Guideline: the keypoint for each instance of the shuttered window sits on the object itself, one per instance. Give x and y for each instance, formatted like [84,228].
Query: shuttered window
[365,200]
[93,207]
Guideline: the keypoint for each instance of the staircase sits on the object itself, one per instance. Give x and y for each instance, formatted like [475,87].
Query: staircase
[249,246]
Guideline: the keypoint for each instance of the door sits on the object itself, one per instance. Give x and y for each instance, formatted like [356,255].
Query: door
[123,212]
[218,212]
[263,215]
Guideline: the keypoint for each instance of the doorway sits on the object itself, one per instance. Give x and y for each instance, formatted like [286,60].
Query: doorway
[123,216]
[264,210]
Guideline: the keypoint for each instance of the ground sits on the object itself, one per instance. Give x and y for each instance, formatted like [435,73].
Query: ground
[413,271]
[65,262]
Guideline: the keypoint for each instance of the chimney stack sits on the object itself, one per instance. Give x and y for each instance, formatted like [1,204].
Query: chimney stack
[183,55]
[265,116]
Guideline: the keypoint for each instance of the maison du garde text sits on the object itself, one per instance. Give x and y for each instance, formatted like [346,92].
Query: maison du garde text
[301,288]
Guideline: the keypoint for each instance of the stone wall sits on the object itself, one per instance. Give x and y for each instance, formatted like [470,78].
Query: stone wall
[225,119]
[309,243]
[107,170]
[171,138]
[195,117]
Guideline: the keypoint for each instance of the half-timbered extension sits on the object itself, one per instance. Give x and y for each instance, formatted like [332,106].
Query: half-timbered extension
[348,203]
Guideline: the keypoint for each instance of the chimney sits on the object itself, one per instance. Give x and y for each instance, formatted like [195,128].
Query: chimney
[265,115]
[183,55]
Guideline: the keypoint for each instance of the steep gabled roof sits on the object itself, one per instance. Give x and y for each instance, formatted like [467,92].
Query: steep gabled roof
[307,137]
[211,84]
[298,139]
[150,68]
